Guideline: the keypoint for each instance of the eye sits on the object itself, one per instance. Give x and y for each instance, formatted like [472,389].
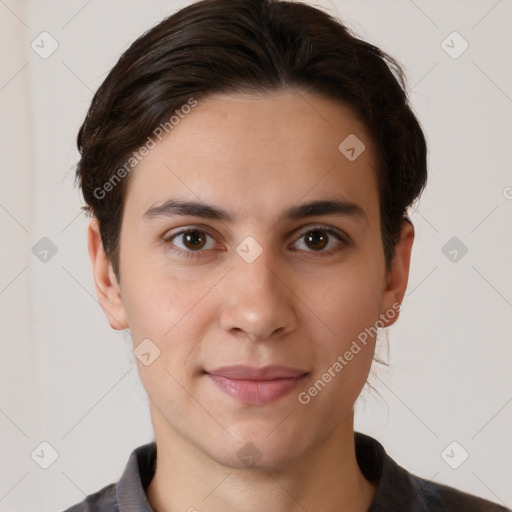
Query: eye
[190,240]
[321,239]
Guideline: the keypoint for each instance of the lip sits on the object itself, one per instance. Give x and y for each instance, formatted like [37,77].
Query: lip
[256,385]
[246,372]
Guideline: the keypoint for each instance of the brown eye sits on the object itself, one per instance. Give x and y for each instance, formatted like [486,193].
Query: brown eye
[194,240]
[316,239]
[189,241]
[321,240]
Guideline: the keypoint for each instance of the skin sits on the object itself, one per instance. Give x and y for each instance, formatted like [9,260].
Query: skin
[297,304]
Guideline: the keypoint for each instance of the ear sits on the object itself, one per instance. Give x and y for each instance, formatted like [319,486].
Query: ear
[107,288]
[398,275]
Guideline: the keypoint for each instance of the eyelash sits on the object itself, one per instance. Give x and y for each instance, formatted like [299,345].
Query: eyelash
[343,239]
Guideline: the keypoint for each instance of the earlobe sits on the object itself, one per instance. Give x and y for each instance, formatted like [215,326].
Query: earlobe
[398,275]
[107,287]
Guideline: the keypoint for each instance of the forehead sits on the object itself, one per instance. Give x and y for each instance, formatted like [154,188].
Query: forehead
[256,152]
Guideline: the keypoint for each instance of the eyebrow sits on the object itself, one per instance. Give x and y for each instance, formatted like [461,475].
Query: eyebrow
[177,207]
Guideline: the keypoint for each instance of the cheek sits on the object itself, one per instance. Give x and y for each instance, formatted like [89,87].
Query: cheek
[344,357]
[162,307]
[349,307]
[350,301]
[172,315]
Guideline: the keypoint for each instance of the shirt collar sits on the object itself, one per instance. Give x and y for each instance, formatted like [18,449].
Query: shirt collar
[397,489]
[132,486]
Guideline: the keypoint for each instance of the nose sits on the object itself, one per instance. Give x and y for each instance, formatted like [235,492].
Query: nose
[258,302]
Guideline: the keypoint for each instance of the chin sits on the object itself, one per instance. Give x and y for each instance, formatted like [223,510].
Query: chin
[257,452]
[252,461]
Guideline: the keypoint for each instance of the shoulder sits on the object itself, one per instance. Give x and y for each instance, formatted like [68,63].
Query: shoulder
[129,492]
[103,500]
[440,497]
[397,489]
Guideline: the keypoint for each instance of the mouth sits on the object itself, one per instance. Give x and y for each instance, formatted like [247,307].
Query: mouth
[256,385]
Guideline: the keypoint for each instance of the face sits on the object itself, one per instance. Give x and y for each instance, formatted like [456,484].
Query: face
[256,278]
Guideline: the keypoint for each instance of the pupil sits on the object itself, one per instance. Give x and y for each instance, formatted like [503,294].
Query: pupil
[317,239]
[194,240]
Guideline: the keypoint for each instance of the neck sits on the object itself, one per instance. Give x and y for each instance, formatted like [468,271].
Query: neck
[327,478]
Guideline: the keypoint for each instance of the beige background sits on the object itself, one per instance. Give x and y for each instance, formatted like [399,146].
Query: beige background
[69,380]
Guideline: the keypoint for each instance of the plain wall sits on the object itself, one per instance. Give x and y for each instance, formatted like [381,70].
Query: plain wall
[68,379]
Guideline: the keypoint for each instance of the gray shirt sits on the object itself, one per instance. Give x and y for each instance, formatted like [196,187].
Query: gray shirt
[397,489]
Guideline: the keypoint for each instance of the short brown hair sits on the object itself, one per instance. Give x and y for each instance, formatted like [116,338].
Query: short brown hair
[248,46]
